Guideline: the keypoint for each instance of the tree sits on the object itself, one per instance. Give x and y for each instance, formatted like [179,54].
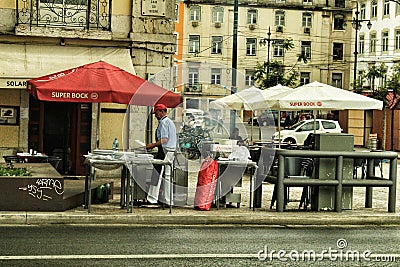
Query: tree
[276,71]
[372,73]
[377,72]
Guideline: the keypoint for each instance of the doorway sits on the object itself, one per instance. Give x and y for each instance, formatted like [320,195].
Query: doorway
[62,130]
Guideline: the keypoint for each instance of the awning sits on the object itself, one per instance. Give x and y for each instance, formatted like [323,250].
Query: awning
[19,63]
[100,82]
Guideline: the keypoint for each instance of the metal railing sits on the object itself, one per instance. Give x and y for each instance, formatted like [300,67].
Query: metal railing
[369,182]
[88,14]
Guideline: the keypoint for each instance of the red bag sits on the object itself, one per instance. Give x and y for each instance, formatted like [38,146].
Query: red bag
[206,184]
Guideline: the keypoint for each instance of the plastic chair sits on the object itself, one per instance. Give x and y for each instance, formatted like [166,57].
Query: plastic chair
[378,163]
[359,163]
[307,165]
[296,167]
[54,161]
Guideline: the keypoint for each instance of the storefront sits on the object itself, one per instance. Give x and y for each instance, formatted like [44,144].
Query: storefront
[66,130]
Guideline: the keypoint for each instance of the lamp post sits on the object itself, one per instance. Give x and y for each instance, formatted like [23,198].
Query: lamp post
[234,62]
[267,41]
[356,23]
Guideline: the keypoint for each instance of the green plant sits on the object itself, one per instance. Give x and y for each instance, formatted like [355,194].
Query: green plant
[10,170]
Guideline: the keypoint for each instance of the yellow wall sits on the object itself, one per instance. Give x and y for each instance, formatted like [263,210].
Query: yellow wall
[7,4]
[111,125]
[122,7]
[356,126]
[10,97]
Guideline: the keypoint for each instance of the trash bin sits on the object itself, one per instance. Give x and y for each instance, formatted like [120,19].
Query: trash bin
[323,197]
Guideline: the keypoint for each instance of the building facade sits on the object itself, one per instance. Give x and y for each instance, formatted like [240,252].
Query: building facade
[39,37]
[379,43]
[317,30]
[321,32]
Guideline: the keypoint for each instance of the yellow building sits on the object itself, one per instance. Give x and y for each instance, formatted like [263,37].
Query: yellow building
[320,30]
[42,37]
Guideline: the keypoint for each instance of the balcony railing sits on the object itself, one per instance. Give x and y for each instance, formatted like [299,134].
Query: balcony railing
[87,14]
[193,88]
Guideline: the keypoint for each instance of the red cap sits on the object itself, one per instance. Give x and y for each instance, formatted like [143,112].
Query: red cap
[159,107]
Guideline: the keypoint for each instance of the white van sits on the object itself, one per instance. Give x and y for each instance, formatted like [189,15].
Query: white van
[197,115]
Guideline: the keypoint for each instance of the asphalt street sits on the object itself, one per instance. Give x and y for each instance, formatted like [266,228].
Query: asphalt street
[50,245]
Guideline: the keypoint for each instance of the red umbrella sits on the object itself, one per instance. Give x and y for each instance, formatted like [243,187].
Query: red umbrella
[100,82]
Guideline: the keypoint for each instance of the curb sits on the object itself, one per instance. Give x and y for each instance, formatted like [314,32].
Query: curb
[178,219]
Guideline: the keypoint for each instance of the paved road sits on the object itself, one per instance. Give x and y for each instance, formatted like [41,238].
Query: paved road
[196,246]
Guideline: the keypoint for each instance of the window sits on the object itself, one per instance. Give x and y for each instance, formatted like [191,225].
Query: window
[193,76]
[397,41]
[278,48]
[340,3]
[251,45]
[338,22]
[249,79]
[386,8]
[328,125]
[374,9]
[215,76]
[307,2]
[397,8]
[304,78]
[337,51]
[361,44]
[306,22]
[66,13]
[385,41]
[216,46]
[195,13]
[337,80]
[218,14]
[309,126]
[280,18]
[280,1]
[251,16]
[372,43]
[192,103]
[362,11]
[306,49]
[194,43]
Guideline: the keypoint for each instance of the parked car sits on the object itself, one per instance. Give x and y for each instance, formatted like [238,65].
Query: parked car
[298,133]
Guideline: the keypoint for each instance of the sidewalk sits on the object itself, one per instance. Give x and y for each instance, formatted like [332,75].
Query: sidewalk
[111,213]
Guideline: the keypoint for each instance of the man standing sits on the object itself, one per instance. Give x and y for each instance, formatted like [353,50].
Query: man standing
[166,144]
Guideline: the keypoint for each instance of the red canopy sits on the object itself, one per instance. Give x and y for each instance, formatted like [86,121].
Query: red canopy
[100,82]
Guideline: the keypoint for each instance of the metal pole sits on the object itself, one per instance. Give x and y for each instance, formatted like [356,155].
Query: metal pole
[356,24]
[394,105]
[392,188]
[280,186]
[269,44]
[339,188]
[234,62]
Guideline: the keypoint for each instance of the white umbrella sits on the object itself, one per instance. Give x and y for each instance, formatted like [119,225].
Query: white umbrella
[260,103]
[250,99]
[319,96]
[240,101]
